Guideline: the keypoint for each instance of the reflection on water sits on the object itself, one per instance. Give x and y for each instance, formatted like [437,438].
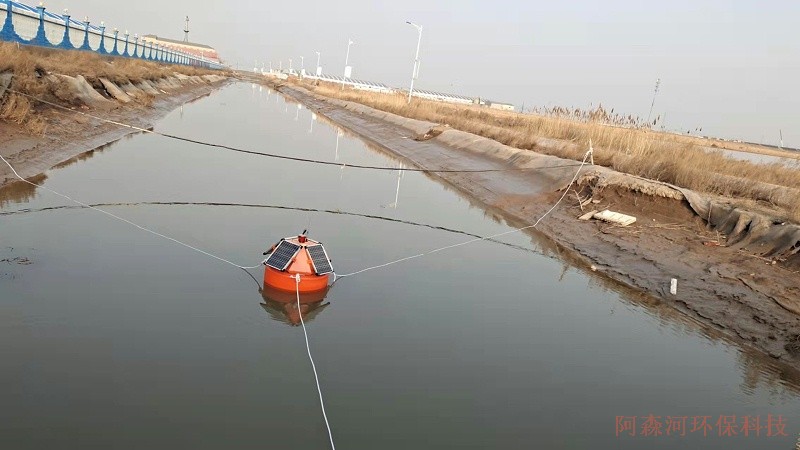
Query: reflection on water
[19,191]
[90,154]
[282,306]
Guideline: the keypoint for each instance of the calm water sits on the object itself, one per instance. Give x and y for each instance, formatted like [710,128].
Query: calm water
[757,158]
[112,338]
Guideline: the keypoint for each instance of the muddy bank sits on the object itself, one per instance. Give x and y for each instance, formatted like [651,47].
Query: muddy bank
[68,134]
[737,270]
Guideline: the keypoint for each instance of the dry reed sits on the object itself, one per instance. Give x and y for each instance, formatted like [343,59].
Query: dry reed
[31,65]
[637,151]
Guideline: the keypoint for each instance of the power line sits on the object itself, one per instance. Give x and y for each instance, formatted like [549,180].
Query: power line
[114,216]
[478,239]
[284,157]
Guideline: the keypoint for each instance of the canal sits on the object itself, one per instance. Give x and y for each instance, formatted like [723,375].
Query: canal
[113,338]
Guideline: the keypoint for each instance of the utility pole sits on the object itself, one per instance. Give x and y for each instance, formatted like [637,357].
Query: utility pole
[658,84]
[346,60]
[186,31]
[415,72]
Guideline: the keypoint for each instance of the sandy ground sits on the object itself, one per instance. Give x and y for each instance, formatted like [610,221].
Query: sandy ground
[733,292]
[69,134]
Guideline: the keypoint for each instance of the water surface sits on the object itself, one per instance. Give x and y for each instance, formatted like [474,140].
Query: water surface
[113,338]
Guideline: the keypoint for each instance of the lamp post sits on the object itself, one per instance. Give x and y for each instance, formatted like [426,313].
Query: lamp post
[415,72]
[319,71]
[302,63]
[346,60]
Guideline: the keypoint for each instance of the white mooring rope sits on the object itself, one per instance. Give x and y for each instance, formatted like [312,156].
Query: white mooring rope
[485,238]
[310,358]
[126,220]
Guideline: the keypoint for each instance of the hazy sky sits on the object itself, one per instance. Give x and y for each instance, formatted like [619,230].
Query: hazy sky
[731,67]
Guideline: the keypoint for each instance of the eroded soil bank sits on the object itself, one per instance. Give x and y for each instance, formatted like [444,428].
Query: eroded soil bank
[69,134]
[724,281]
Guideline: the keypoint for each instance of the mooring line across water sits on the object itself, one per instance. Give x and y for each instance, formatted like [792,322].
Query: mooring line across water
[143,228]
[279,207]
[284,157]
[311,358]
[478,239]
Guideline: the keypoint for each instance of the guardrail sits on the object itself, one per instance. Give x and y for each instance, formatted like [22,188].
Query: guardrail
[29,25]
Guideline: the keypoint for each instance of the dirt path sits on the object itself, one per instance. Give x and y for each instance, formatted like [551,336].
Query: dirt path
[742,296]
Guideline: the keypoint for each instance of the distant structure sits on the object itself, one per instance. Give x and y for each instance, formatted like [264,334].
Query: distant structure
[461,99]
[201,50]
[500,106]
[443,97]
[186,31]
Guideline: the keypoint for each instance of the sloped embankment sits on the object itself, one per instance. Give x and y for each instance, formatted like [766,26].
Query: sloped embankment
[36,136]
[736,266]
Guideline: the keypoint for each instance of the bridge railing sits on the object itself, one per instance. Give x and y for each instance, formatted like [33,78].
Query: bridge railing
[34,25]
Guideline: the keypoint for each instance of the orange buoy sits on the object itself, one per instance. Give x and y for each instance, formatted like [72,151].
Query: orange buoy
[297,256]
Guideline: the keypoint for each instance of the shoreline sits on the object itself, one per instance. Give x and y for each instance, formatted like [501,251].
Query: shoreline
[70,135]
[747,298]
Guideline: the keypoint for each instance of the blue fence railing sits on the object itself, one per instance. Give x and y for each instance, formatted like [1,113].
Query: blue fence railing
[31,25]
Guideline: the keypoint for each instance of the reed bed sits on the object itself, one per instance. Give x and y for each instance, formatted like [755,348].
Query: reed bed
[633,150]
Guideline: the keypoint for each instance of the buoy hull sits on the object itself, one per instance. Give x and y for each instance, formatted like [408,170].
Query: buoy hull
[285,281]
[273,295]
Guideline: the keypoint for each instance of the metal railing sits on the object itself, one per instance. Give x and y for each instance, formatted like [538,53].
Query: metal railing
[34,25]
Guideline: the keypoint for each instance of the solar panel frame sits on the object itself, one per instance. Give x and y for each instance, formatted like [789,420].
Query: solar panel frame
[320,261]
[282,256]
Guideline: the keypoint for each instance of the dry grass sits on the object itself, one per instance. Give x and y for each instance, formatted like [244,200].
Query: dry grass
[637,151]
[30,65]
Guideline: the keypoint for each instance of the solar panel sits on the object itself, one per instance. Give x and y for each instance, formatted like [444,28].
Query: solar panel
[282,255]
[319,258]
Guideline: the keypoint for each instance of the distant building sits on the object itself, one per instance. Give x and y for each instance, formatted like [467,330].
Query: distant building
[443,97]
[201,50]
[500,106]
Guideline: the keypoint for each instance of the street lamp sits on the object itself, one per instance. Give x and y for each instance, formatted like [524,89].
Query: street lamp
[415,72]
[302,63]
[346,59]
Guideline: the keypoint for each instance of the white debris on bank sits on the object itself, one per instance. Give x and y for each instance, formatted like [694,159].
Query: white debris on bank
[615,217]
